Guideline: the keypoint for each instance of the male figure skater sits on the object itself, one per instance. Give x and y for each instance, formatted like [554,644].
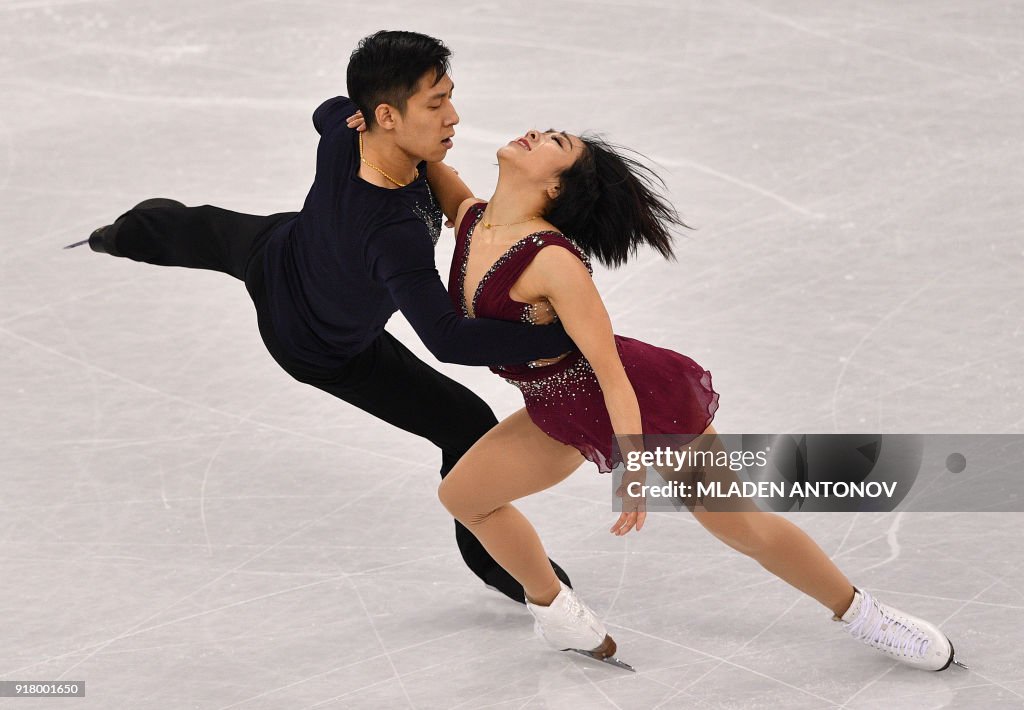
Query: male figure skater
[326,279]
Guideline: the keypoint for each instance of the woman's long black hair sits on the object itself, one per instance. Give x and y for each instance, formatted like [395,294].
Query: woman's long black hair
[608,203]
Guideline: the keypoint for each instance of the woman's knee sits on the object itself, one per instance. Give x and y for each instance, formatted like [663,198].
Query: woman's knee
[460,504]
[448,495]
[455,498]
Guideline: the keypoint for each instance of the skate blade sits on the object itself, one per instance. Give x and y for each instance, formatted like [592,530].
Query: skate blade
[610,660]
[77,244]
[952,657]
[605,653]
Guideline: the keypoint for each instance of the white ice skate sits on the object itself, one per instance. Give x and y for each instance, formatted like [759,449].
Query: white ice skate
[903,637]
[569,625]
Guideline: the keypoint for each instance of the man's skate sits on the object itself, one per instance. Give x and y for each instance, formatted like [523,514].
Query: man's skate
[569,625]
[903,637]
[102,239]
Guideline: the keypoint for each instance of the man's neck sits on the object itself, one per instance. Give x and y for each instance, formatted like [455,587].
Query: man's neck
[390,160]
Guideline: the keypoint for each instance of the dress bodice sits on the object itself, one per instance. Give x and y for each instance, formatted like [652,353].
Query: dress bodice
[565,399]
[491,297]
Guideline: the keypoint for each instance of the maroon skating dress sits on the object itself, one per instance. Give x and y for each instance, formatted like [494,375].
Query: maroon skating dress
[564,399]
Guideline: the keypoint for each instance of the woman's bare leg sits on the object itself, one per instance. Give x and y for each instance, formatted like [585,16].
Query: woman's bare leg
[513,460]
[516,459]
[781,548]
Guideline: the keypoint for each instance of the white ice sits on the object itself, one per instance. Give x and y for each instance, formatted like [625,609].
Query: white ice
[184,526]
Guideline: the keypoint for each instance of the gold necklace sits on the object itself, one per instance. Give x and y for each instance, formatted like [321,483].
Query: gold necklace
[488,225]
[367,162]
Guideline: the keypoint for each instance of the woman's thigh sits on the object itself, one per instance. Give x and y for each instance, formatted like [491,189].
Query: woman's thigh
[512,460]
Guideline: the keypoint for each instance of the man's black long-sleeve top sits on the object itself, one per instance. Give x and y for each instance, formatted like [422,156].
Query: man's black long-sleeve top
[356,253]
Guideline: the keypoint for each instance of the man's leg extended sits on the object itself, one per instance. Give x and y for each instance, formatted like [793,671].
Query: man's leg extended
[391,383]
[166,233]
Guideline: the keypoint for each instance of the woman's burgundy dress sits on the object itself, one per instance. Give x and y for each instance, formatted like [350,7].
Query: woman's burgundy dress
[564,399]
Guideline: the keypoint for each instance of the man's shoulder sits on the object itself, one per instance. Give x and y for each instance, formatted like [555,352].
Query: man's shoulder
[404,224]
[332,113]
[397,216]
[424,209]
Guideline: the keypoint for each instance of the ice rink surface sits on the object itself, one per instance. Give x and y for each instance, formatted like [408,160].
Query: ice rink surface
[184,526]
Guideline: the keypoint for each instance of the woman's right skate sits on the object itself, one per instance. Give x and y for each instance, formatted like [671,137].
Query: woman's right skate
[569,625]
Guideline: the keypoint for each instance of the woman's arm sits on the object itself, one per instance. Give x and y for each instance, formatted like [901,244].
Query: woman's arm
[449,189]
[564,281]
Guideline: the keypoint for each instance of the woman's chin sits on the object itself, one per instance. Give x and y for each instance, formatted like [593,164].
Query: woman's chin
[505,152]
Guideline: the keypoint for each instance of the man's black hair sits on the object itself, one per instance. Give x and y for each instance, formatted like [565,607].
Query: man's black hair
[386,66]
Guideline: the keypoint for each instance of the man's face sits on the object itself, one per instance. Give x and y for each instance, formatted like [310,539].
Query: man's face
[425,128]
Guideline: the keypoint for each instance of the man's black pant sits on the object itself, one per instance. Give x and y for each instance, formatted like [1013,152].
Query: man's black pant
[385,380]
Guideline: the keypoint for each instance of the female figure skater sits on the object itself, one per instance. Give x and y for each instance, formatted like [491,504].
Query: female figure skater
[550,185]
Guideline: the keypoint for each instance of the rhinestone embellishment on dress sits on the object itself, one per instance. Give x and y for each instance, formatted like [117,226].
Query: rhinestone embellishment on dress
[536,238]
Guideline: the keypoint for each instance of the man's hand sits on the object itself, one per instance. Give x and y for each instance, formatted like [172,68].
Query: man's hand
[541,313]
[356,121]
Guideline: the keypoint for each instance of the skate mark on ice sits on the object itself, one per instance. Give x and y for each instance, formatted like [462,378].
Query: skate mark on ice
[739,182]
[846,536]
[622,579]
[207,408]
[725,661]
[369,617]
[135,630]
[968,602]
[940,277]
[733,654]
[870,49]
[202,492]
[892,538]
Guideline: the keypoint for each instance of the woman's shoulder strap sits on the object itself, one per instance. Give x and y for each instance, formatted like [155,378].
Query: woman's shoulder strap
[542,239]
[472,213]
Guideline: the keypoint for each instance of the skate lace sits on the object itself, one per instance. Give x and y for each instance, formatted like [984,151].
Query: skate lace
[575,608]
[884,630]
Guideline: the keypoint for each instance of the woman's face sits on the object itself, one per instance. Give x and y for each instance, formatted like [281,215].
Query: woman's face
[541,155]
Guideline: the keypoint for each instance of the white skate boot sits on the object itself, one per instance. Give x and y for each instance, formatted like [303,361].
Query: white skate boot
[903,637]
[569,625]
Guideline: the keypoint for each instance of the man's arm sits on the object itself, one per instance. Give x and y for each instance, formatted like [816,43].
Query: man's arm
[402,258]
[332,113]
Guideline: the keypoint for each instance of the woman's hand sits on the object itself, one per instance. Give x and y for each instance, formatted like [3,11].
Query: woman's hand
[630,449]
[356,121]
[634,506]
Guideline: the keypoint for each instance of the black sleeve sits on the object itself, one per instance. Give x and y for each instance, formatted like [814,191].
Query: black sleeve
[402,258]
[332,114]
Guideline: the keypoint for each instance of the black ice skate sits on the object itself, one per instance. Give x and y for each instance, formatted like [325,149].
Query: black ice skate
[102,239]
